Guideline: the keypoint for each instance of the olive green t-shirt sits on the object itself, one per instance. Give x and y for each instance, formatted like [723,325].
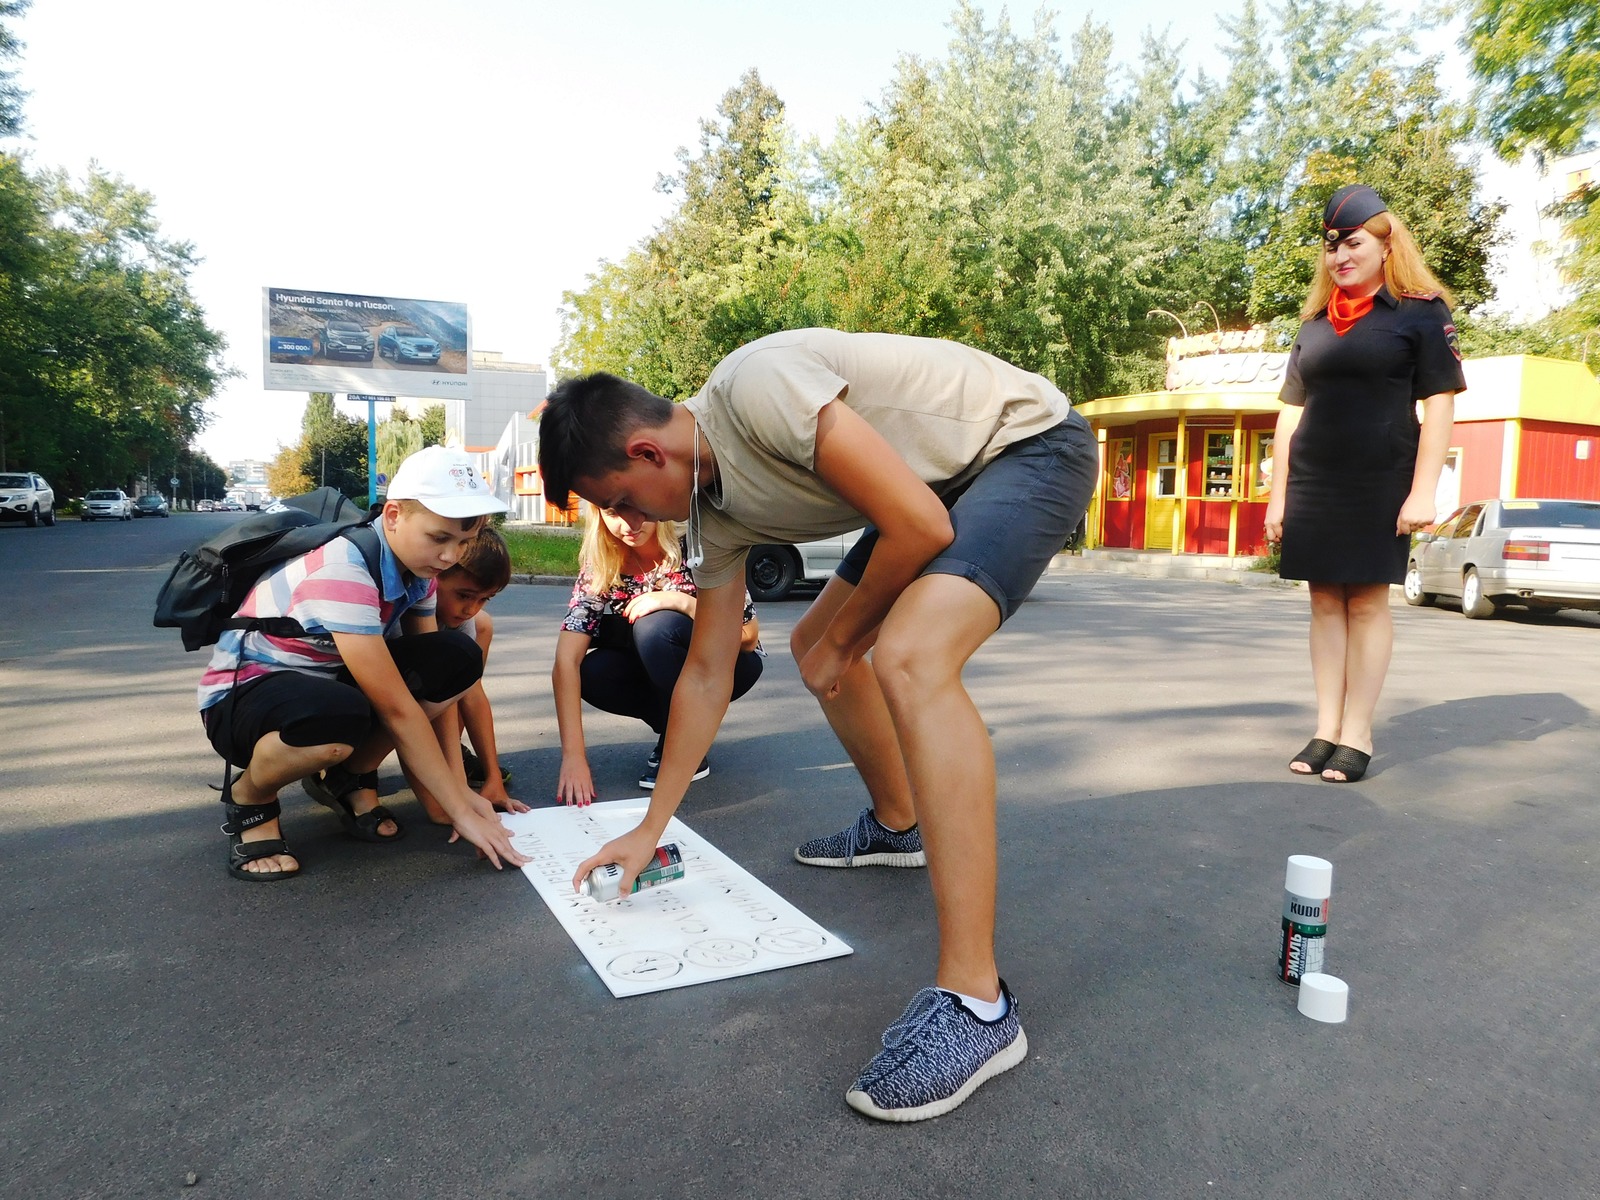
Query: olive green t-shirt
[946,408]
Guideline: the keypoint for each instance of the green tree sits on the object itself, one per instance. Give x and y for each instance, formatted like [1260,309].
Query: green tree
[11,96]
[333,448]
[432,425]
[711,276]
[1537,63]
[118,356]
[286,474]
[27,359]
[399,437]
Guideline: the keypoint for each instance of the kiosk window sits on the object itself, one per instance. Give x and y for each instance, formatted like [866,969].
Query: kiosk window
[1167,468]
[1261,465]
[1219,464]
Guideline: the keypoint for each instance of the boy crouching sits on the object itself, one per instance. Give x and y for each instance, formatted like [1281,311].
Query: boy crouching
[369,675]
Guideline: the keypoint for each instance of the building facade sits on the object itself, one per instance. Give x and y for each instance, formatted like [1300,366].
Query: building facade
[501,390]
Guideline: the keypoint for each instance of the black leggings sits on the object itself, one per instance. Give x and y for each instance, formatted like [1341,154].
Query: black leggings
[633,675]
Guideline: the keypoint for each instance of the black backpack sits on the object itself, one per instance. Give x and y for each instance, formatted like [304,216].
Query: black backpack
[209,583]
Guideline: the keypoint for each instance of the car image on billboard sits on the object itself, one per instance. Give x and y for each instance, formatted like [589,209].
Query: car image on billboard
[407,344]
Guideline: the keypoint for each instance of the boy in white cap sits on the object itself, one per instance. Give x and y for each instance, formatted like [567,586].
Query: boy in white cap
[367,677]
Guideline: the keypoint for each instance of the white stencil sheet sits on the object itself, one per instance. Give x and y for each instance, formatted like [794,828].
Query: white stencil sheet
[717,922]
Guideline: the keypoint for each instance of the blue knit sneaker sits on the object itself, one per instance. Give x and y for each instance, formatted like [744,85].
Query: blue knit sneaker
[935,1056]
[867,843]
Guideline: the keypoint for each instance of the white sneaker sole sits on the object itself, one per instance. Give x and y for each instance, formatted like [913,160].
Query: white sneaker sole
[915,858]
[998,1065]
[649,785]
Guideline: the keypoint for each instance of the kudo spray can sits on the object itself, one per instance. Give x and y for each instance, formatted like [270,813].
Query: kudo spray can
[605,881]
[1307,884]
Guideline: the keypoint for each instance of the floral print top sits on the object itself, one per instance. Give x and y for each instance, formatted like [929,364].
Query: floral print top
[588,604]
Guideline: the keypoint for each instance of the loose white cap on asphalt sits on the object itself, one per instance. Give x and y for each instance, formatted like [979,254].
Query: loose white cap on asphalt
[1308,876]
[1324,997]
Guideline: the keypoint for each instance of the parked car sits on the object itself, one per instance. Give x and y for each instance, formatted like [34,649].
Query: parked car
[152,505]
[1539,554]
[771,571]
[229,505]
[205,505]
[107,504]
[346,339]
[25,496]
[407,343]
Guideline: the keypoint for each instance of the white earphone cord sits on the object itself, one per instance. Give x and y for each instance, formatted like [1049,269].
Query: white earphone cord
[697,550]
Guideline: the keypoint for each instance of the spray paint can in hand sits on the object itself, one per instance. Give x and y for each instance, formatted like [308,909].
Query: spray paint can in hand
[1307,884]
[605,881]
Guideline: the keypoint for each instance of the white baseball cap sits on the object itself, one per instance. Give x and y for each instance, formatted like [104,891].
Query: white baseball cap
[446,482]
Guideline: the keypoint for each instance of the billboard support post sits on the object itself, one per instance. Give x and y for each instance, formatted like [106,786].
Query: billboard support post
[372,441]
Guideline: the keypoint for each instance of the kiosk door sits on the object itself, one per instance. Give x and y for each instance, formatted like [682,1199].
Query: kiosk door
[1161,509]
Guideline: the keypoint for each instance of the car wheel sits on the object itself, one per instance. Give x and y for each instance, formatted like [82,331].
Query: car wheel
[50,517]
[1415,596]
[1474,603]
[85,517]
[33,518]
[771,572]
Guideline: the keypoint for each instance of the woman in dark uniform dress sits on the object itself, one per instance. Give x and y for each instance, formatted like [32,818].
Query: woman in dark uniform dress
[1360,475]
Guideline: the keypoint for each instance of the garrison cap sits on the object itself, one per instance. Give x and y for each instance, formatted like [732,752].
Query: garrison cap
[1348,210]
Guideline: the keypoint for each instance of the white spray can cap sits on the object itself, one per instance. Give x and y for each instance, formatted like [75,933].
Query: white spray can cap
[1309,877]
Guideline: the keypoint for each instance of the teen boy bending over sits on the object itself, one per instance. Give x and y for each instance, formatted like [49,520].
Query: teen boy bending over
[370,673]
[478,576]
[971,473]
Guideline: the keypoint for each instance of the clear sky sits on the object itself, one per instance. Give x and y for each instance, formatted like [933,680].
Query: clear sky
[491,152]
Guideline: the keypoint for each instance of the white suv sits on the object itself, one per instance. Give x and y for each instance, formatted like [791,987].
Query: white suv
[108,504]
[25,496]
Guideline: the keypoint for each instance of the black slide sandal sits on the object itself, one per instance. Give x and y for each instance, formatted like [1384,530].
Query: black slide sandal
[1350,761]
[1316,755]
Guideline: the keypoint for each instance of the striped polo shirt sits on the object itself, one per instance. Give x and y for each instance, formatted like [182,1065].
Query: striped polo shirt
[327,591]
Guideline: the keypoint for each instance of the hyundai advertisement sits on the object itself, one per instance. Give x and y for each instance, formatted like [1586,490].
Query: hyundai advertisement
[341,342]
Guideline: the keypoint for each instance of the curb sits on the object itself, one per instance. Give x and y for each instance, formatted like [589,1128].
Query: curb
[1065,564]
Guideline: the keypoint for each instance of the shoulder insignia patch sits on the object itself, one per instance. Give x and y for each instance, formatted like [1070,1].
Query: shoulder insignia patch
[1453,341]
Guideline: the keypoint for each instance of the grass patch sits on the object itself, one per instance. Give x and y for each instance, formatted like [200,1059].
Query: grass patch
[536,553]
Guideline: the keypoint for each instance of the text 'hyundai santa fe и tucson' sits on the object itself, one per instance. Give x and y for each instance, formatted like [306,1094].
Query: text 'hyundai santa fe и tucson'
[406,343]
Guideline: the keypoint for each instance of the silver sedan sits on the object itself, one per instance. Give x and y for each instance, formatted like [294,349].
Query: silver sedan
[1539,554]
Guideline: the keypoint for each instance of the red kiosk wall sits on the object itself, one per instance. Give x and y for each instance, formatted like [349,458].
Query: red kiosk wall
[1549,465]
[1482,445]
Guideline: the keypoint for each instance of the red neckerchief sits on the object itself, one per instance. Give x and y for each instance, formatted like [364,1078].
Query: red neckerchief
[1344,311]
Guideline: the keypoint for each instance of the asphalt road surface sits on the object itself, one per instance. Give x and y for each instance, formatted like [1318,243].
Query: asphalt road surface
[404,1021]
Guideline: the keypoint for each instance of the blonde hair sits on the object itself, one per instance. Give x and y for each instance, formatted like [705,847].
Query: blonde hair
[1404,272]
[602,554]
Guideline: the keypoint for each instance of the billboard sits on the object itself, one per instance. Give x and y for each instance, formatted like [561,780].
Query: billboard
[381,345]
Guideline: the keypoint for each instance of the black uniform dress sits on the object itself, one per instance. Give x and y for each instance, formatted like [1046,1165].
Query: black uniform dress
[1353,454]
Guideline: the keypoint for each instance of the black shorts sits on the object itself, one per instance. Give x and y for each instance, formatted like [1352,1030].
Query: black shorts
[320,710]
[1013,517]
